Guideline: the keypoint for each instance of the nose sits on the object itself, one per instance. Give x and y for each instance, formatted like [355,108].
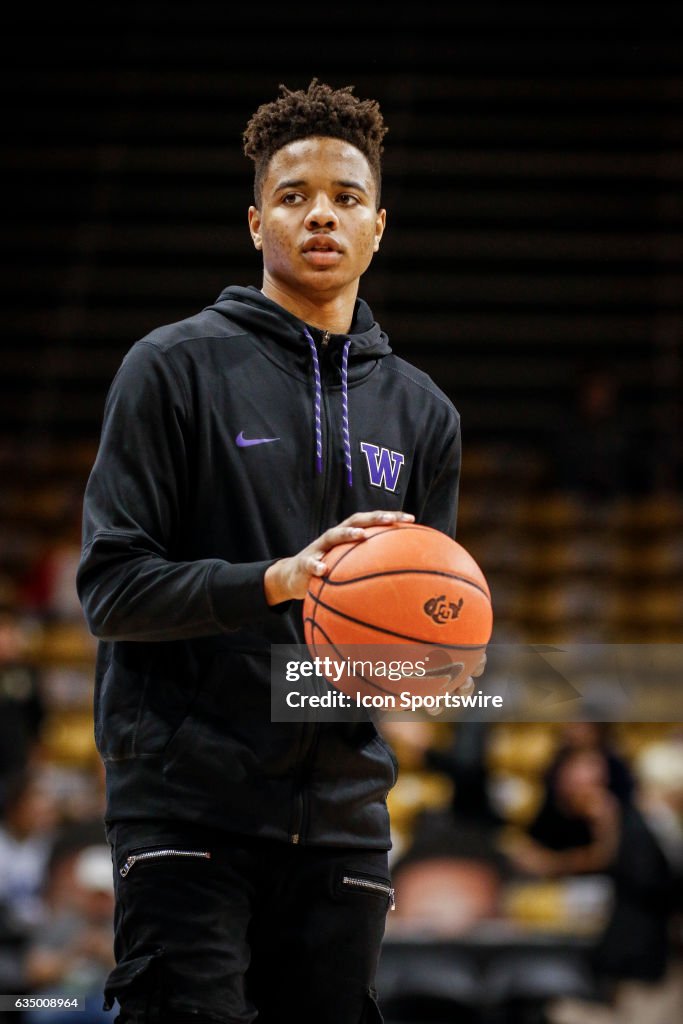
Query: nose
[322,213]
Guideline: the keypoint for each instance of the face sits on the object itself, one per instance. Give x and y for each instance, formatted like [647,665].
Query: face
[318,226]
[580,777]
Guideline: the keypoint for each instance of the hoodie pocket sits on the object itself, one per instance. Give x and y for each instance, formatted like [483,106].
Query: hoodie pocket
[227,734]
[143,698]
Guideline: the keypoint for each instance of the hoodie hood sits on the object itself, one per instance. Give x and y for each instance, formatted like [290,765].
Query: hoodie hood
[266,320]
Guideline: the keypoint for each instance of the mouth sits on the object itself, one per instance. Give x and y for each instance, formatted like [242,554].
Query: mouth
[321,243]
[322,251]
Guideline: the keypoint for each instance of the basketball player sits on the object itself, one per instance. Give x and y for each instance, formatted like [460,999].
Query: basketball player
[239,446]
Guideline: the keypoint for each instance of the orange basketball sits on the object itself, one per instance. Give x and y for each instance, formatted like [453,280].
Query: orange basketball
[413,594]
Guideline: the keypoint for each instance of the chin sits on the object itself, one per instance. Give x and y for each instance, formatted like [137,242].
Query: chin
[322,281]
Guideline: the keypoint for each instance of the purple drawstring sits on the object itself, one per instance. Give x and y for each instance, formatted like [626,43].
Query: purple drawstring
[345,412]
[318,408]
[318,404]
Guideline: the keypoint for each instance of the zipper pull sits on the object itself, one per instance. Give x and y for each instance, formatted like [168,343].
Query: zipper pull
[127,866]
[325,339]
[392,899]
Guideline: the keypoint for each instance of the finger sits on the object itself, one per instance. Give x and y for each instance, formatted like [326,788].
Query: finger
[315,566]
[330,539]
[467,688]
[479,670]
[337,535]
[378,518]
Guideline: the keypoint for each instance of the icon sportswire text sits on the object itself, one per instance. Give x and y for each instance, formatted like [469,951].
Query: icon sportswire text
[243,442]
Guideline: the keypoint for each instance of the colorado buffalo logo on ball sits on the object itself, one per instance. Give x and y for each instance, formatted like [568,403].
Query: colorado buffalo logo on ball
[441,610]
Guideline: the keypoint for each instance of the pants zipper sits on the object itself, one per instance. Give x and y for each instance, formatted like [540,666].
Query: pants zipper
[159,854]
[366,883]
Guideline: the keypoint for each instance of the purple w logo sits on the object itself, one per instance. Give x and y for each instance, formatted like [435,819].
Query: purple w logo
[384,465]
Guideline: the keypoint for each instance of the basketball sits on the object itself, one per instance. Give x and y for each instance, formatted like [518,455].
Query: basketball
[410,592]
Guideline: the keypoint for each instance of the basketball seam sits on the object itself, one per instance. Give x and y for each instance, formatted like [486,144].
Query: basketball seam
[332,644]
[381,531]
[408,572]
[325,579]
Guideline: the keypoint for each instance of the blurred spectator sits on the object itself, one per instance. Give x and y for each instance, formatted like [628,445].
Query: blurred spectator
[578,735]
[576,830]
[72,954]
[21,705]
[635,944]
[29,819]
[594,832]
[557,824]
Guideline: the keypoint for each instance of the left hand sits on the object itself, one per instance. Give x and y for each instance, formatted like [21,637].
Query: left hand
[465,688]
[528,856]
[469,684]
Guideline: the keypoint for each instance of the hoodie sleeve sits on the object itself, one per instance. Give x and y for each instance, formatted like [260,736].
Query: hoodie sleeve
[129,586]
[440,509]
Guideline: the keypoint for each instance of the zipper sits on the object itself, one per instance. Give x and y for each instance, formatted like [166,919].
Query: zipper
[365,883]
[159,854]
[309,736]
[309,732]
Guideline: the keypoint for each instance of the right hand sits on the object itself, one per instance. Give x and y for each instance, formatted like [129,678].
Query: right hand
[288,578]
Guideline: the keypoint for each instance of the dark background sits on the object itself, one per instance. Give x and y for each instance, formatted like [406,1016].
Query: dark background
[533,185]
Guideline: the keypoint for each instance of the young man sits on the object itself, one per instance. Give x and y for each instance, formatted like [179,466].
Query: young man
[239,446]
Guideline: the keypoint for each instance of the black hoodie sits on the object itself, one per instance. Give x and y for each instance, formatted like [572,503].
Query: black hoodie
[212,464]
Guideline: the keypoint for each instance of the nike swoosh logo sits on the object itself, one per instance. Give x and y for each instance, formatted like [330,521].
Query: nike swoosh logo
[242,442]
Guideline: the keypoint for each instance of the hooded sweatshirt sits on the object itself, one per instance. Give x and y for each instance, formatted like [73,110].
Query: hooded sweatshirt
[232,439]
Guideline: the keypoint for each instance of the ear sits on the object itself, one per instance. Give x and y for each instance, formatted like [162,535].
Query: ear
[254,218]
[380,224]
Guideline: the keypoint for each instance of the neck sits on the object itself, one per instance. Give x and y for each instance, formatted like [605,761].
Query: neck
[333,314]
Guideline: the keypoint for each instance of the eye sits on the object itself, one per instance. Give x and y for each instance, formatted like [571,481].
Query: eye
[347,199]
[291,198]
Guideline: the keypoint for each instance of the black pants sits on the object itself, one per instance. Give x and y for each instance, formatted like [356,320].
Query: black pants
[211,927]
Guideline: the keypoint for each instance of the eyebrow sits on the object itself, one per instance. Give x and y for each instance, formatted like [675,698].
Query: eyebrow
[291,183]
[298,182]
[352,184]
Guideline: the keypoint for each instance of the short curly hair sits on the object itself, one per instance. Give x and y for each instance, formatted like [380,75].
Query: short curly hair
[317,110]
